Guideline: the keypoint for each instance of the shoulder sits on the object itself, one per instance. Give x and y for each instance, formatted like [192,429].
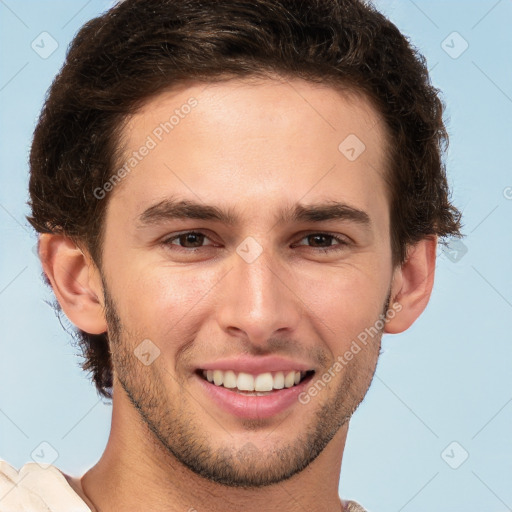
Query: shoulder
[36,488]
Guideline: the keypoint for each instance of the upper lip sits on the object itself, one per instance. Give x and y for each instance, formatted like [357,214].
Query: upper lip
[256,365]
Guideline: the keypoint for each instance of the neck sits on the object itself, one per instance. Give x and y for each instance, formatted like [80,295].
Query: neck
[136,473]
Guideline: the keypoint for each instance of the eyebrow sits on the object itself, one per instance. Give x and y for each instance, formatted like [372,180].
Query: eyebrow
[170,209]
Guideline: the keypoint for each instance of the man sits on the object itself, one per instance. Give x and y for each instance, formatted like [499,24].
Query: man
[235,201]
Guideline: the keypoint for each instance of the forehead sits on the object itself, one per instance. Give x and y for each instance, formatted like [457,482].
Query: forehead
[246,141]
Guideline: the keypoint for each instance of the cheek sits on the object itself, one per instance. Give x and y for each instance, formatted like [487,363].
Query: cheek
[157,298]
[344,302]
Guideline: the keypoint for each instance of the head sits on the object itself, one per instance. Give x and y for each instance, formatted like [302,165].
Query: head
[253,178]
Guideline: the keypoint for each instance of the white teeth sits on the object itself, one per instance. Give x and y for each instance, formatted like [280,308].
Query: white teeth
[218,377]
[289,380]
[279,380]
[264,382]
[245,382]
[261,383]
[229,379]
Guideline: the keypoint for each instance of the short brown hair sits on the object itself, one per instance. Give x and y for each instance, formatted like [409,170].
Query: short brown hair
[139,48]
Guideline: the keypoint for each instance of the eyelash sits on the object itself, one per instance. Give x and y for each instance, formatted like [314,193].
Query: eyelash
[342,243]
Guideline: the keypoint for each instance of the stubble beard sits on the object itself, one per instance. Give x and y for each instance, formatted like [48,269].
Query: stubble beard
[177,428]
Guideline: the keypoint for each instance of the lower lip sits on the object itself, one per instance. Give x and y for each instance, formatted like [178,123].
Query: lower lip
[254,407]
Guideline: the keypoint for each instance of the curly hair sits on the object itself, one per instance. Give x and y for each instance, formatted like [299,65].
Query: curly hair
[139,48]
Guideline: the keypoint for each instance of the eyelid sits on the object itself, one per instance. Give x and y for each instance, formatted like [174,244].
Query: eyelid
[342,240]
[171,238]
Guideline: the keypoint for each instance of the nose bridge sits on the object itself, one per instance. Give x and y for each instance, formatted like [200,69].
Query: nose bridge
[257,302]
[257,281]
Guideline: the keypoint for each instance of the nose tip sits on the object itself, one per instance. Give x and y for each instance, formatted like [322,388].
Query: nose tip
[256,302]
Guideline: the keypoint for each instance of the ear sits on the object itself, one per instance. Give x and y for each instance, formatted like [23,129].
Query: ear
[412,284]
[75,280]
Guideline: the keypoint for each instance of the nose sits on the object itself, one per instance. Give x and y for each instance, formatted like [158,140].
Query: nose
[258,301]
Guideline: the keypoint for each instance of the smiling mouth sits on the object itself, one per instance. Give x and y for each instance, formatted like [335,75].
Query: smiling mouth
[255,385]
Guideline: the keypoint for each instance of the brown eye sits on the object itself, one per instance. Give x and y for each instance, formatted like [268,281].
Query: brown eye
[320,239]
[324,241]
[191,239]
[188,240]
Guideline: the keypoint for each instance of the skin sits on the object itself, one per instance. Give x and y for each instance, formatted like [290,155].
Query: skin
[254,148]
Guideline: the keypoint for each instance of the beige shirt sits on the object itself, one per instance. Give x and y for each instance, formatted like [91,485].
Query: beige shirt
[46,489]
[36,488]
[352,506]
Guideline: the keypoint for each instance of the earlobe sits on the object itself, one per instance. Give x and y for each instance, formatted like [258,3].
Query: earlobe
[75,281]
[412,285]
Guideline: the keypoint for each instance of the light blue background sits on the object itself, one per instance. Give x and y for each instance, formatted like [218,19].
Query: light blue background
[446,379]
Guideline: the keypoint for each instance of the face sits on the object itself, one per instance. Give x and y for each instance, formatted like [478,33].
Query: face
[250,238]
